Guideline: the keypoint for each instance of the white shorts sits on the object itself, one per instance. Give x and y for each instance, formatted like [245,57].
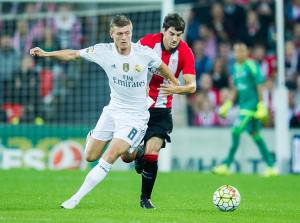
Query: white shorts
[114,123]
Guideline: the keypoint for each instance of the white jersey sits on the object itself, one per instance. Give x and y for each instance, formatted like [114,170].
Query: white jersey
[127,75]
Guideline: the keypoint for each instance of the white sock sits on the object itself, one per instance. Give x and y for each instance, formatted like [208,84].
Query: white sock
[95,176]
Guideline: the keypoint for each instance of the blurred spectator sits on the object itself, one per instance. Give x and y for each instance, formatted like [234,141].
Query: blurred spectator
[254,32]
[209,39]
[265,10]
[222,29]
[203,62]
[68,32]
[22,40]
[225,53]
[48,42]
[235,16]
[30,10]
[27,88]
[267,63]
[293,10]
[292,64]
[296,36]
[204,103]
[68,28]
[225,95]
[219,75]
[9,65]
[192,28]
[51,67]
[268,98]
[3,118]
[295,110]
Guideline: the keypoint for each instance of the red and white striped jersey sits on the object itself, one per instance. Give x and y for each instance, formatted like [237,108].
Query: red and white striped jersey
[178,59]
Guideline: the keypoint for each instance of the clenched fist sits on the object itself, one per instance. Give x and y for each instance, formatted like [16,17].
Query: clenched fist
[36,51]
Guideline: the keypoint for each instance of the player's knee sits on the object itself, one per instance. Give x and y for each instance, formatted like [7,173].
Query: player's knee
[90,157]
[255,135]
[127,157]
[236,131]
[112,155]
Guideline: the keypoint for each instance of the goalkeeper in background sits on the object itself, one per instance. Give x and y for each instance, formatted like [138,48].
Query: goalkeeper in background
[248,90]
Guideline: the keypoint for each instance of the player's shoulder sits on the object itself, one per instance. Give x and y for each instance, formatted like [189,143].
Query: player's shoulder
[184,47]
[251,63]
[151,39]
[139,48]
[102,47]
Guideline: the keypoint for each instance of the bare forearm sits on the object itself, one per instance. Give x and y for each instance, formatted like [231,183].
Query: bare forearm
[64,54]
[167,74]
[186,89]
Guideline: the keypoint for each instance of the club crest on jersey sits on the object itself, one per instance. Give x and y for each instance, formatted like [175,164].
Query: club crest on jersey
[126,67]
[138,68]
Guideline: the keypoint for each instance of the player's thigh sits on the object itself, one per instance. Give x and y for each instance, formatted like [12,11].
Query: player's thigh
[153,145]
[241,124]
[116,147]
[159,127]
[100,135]
[94,148]
[131,130]
[254,127]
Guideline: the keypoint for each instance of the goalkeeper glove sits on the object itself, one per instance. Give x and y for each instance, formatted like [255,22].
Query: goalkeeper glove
[261,111]
[225,108]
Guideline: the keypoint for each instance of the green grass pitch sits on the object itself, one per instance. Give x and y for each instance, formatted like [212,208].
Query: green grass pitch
[29,196]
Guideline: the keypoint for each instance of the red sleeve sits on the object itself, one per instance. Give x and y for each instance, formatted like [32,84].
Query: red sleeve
[188,63]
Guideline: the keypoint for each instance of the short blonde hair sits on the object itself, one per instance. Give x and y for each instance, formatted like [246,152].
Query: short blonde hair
[120,21]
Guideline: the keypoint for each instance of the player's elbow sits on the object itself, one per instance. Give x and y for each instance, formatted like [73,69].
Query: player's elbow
[193,89]
[71,55]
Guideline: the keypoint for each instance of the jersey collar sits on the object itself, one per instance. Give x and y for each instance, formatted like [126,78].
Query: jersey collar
[118,54]
[164,48]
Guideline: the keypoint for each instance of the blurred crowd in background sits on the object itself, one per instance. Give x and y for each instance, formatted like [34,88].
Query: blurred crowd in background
[212,30]
[35,90]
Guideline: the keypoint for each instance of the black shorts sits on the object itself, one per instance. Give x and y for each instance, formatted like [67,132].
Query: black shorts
[160,125]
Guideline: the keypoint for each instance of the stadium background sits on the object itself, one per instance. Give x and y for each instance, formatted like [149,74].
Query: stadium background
[47,107]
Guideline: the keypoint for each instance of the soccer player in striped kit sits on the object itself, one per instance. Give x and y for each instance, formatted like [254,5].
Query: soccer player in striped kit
[180,59]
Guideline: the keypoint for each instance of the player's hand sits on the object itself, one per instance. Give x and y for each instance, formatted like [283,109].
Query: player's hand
[223,110]
[261,111]
[36,51]
[168,89]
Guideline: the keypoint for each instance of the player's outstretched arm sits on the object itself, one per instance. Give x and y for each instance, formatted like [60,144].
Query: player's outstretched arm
[60,54]
[167,73]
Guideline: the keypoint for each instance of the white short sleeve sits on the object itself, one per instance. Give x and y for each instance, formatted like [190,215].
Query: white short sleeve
[155,60]
[94,53]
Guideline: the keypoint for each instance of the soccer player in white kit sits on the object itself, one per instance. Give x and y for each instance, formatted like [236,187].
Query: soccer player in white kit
[123,121]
